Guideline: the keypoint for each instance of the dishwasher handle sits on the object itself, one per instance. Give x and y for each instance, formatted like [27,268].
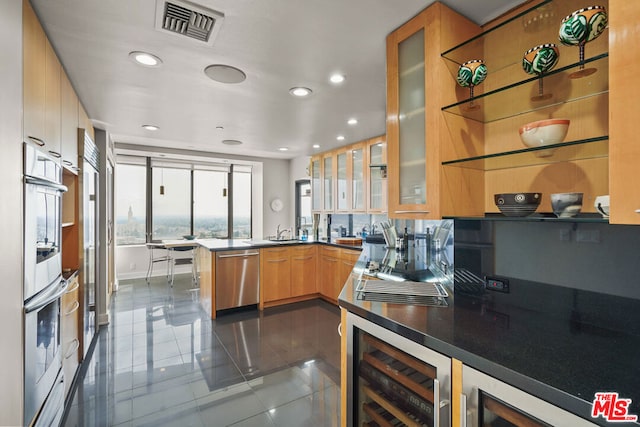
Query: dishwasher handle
[239,255]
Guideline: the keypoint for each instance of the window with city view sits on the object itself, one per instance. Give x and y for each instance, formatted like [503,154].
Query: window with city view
[185,199]
[131,201]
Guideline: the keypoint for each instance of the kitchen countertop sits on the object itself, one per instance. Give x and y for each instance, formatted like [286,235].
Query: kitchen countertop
[559,344]
[238,244]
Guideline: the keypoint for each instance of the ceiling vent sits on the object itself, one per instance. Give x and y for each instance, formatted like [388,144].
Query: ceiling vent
[183,18]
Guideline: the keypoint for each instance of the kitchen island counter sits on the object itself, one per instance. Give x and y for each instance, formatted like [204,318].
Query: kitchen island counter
[559,344]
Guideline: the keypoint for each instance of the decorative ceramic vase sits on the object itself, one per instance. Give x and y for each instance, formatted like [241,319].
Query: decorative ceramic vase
[581,27]
[538,60]
[471,74]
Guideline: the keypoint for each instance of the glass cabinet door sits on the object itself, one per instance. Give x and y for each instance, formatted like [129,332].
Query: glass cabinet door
[411,147]
[377,198]
[413,163]
[327,184]
[342,187]
[357,179]
[316,185]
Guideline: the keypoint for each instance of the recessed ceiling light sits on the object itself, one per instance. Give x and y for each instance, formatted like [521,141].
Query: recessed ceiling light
[336,78]
[340,138]
[300,91]
[231,142]
[283,149]
[352,121]
[145,58]
[150,127]
[316,145]
[225,73]
[219,128]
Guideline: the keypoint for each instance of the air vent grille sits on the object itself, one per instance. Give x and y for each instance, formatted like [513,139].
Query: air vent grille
[187,19]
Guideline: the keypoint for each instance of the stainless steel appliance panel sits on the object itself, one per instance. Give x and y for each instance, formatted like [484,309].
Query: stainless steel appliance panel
[237,278]
[487,401]
[53,408]
[88,276]
[42,220]
[42,350]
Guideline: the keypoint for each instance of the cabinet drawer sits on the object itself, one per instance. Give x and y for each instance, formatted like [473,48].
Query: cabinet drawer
[303,250]
[330,251]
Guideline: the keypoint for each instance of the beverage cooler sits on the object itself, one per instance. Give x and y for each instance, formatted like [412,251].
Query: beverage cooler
[393,381]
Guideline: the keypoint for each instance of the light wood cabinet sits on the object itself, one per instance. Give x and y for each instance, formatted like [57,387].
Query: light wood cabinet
[84,122]
[70,334]
[328,264]
[275,272]
[328,182]
[34,71]
[52,101]
[356,158]
[624,151]
[303,270]
[343,190]
[416,90]
[68,123]
[316,184]
[376,175]
[348,259]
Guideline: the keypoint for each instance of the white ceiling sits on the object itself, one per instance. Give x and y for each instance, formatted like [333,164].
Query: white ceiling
[277,43]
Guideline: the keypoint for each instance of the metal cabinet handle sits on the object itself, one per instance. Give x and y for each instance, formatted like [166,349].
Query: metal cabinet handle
[303,259]
[239,255]
[76,346]
[411,211]
[463,410]
[340,328]
[76,305]
[76,285]
[55,154]
[436,402]
[637,210]
[67,163]
[277,260]
[38,141]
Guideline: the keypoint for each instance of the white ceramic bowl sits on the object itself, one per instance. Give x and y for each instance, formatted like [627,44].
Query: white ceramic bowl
[544,132]
[566,205]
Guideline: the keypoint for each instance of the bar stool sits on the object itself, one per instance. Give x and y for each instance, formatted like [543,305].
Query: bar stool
[166,257]
[173,261]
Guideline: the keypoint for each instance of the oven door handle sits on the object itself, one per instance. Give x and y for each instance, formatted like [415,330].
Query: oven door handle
[46,183]
[52,293]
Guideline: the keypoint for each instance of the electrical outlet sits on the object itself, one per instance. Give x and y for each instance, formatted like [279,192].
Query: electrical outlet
[588,236]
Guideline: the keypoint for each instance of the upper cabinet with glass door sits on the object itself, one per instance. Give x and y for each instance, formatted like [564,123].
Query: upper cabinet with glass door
[415,124]
[342,185]
[328,181]
[357,177]
[316,184]
[376,150]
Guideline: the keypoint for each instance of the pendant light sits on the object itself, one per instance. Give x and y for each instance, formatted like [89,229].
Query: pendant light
[162,182]
[224,190]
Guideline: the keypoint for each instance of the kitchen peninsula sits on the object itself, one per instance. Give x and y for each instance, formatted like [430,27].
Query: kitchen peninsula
[267,273]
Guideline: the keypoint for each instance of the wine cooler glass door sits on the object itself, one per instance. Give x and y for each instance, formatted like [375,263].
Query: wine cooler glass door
[394,381]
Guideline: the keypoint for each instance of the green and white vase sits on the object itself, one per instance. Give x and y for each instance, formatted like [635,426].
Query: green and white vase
[471,74]
[581,27]
[539,60]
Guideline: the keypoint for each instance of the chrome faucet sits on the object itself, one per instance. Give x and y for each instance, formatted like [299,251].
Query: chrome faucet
[279,232]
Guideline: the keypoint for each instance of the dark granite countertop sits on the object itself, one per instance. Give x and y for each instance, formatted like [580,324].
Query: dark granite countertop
[240,244]
[559,344]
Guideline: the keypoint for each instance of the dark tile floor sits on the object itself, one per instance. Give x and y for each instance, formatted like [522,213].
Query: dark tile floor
[163,362]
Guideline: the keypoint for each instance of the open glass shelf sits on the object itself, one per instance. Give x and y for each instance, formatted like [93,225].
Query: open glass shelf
[515,99]
[504,45]
[535,217]
[475,46]
[590,148]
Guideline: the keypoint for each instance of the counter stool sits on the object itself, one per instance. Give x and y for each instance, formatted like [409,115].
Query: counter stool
[154,258]
[173,261]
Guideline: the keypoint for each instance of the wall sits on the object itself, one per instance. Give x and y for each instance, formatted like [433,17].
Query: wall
[552,253]
[11,368]
[276,183]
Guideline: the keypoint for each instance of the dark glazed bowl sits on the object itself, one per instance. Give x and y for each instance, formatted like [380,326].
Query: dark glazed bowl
[517,204]
[189,237]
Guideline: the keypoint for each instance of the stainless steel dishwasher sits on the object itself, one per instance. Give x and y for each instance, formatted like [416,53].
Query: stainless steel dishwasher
[237,278]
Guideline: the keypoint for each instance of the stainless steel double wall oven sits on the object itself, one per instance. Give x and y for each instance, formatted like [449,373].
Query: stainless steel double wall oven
[43,288]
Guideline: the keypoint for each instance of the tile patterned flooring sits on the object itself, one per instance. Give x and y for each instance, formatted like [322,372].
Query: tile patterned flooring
[163,362]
